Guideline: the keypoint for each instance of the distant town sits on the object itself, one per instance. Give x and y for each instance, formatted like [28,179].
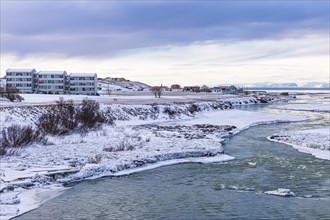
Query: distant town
[61,82]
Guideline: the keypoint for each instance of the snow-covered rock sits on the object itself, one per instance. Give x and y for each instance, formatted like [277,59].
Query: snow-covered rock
[281,192]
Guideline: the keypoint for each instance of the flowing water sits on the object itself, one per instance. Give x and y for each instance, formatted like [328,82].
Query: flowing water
[229,190]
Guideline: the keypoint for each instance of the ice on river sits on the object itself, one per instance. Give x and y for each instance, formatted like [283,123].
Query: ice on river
[315,107]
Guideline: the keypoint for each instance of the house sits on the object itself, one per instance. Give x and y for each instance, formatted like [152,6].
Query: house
[83,83]
[118,79]
[176,87]
[204,88]
[24,80]
[191,89]
[164,88]
[52,82]
[225,89]
[216,89]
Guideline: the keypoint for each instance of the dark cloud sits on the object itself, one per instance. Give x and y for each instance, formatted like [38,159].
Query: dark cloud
[102,27]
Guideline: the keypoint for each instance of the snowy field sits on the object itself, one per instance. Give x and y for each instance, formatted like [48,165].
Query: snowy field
[129,98]
[314,141]
[118,98]
[133,144]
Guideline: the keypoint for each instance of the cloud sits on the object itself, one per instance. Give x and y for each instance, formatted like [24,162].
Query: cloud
[107,28]
[186,42]
[278,60]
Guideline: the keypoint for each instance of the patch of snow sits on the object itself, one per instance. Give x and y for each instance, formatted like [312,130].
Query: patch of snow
[214,159]
[313,141]
[27,200]
[241,119]
[8,212]
[9,198]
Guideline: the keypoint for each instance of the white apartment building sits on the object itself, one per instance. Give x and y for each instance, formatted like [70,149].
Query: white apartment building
[24,80]
[52,82]
[83,83]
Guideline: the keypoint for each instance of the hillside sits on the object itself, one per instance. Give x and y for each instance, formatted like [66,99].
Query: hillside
[104,85]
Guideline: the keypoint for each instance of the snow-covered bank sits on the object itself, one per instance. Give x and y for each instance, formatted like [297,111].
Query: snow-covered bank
[241,119]
[147,136]
[28,115]
[314,141]
[26,200]
[141,98]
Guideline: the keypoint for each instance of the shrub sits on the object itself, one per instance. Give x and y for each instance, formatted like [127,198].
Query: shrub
[193,108]
[67,114]
[89,113]
[49,123]
[17,136]
[123,145]
[169,111]
[65,117]
[11,94]
[95,159]
[60,119]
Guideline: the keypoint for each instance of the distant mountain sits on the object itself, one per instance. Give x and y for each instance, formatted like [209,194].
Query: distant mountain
[286,85]
[270,85]
[316,85]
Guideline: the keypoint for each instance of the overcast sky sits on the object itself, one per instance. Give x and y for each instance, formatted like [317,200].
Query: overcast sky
[167,42]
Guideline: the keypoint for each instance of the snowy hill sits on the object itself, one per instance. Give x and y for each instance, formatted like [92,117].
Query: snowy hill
[104,85]
[316,85]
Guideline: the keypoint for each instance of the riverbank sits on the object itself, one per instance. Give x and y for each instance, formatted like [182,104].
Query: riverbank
[312,141]
[142,136]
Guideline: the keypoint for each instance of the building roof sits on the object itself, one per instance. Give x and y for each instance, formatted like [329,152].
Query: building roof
[20,70]
[83,74]
[52,72]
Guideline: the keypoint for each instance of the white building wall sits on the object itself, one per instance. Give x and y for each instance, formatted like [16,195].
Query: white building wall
[52,82]
[22,79]
[85,84]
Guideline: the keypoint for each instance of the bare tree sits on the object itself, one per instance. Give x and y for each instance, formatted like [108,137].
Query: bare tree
[108,91]
[157,91]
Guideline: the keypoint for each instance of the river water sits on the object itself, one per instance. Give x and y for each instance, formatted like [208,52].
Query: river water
[229,190]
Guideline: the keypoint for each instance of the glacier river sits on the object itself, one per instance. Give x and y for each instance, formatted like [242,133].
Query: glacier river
[229,190]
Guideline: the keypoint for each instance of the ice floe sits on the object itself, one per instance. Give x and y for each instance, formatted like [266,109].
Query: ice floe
[281,192]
